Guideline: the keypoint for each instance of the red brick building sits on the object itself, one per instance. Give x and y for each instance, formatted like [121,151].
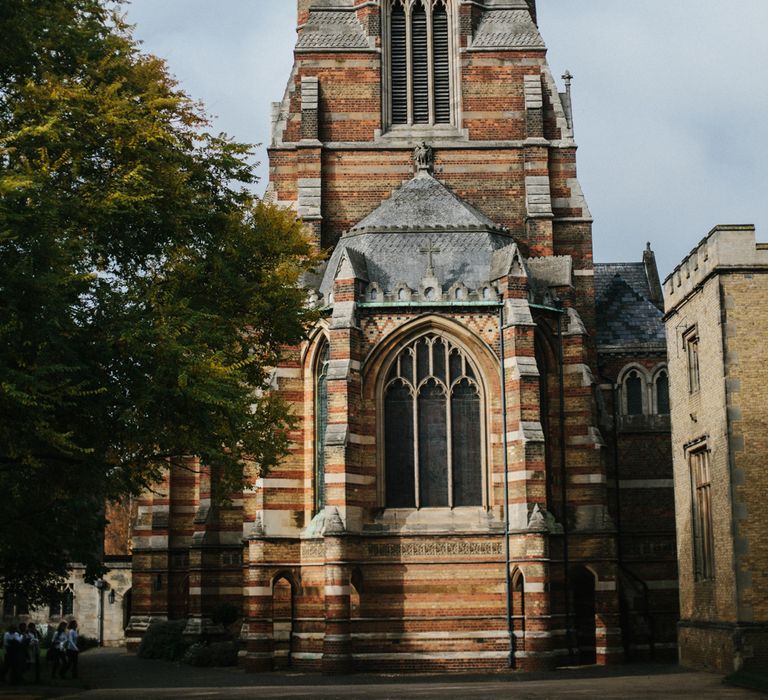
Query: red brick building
[450,500]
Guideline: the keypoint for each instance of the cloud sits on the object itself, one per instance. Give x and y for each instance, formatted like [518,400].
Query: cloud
[669,99]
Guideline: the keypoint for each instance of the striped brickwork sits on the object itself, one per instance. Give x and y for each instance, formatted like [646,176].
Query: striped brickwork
[358,586]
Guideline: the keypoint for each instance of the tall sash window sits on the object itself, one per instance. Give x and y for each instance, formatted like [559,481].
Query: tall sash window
[433,428]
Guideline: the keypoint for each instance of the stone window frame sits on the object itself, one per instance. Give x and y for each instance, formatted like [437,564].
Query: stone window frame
[58,605]
[691,342]
[320,365]
[646,388]
[381,387]
[454,44]
[699,460]
[661,369]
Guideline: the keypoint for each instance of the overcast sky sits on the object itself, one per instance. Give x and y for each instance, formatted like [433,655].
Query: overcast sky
[670,101]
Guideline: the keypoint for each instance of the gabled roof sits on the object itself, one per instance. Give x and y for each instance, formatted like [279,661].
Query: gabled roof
[625,315]
[507,29]
[424,204]
[332,27]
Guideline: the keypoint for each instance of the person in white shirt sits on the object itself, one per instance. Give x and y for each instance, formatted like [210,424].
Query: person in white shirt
[57,652]
[73,652]
[12,648]
[33,650]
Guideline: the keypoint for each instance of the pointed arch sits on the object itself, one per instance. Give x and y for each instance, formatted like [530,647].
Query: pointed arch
[420,85]
[547,361]
[635,389]
[518,608]
[429,382]
[660,391]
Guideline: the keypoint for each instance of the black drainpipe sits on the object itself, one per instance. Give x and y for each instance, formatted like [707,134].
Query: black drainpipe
[507,562]
[564,492]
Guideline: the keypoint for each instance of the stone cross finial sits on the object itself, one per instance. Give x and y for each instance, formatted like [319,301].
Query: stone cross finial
[424,158]
[429,250]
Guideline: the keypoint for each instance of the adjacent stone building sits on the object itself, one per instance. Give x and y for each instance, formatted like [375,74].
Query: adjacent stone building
[716,302]
[450,501]
[102,608]
[634,410]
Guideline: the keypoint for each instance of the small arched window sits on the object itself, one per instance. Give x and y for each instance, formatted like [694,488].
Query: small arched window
[662,393]
[419,62]
[432,426]
[321,423]
[633,388]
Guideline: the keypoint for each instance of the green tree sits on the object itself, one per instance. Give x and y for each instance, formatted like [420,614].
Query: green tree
[144,293]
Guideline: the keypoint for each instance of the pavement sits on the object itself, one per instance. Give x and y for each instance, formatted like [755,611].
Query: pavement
[108,674]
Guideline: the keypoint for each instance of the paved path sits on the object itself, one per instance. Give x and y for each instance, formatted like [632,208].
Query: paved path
[114,674]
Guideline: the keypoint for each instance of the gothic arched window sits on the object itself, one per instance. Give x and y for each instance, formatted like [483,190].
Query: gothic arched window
[432,428]
[321,423]
[661,391]
[633,387]
[419,50]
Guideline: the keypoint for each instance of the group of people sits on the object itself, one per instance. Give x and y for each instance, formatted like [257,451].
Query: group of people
[21,644]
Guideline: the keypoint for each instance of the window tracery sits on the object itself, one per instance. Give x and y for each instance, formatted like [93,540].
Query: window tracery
[432,428]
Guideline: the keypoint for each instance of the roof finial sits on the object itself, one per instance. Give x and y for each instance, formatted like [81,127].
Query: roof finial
[568,102]
[424,158]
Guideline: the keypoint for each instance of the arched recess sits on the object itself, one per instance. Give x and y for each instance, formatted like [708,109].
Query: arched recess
[518,609]
[355,602]
[283,618]
[315,363]
[547,354]
[660,391]
[635,390]
[433,398]
[127,607]
[584,610]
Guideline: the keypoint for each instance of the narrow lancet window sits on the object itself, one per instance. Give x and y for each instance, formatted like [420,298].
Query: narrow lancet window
[321,423]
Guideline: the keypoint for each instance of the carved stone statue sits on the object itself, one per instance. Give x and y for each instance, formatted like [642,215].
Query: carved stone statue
[424,157]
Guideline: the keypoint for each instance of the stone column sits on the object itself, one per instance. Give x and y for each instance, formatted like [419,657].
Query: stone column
[257,606]
[337,642]
[150,561]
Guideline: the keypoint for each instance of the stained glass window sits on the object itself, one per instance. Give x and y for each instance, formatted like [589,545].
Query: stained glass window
[321,423]
[433,428]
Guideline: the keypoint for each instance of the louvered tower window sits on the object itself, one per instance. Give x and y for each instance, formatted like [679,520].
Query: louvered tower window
[419,62]
[432,428]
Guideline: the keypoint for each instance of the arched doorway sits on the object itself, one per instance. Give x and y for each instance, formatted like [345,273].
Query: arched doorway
[282,621]
[127,603]
[584,609]
[518,610]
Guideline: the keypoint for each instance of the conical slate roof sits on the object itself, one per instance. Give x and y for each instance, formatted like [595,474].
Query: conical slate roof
[425,204]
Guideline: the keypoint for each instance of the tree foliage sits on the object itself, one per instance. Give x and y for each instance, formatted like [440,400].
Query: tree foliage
[143,291]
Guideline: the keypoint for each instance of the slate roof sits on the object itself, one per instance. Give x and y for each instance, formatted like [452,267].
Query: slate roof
[331,30]
[391,258]
[425,203]
[507,29]
[625,314]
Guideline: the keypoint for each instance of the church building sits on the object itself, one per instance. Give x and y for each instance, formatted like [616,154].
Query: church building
[481,476]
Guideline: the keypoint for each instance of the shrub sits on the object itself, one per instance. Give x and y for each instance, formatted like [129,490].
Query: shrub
[225,614]
[217,654]
[164,640]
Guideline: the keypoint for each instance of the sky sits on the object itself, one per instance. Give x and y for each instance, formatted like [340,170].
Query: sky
[670,102]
